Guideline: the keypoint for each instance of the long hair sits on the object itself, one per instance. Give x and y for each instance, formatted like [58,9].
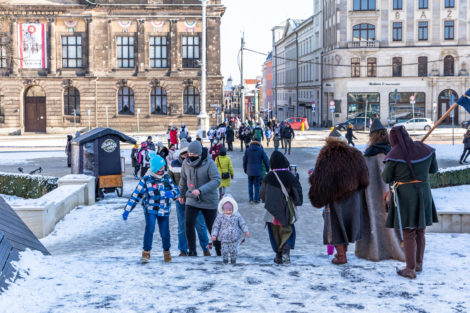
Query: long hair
[379,136]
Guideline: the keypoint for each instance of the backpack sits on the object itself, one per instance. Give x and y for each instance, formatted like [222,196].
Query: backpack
[258,134]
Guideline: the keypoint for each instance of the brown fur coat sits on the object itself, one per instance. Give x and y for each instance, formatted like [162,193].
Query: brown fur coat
[339,172]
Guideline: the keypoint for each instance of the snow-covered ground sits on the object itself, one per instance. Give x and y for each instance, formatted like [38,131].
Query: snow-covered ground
[452,199]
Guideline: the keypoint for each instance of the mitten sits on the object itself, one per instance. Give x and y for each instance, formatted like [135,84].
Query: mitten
[169,194]
[125,215]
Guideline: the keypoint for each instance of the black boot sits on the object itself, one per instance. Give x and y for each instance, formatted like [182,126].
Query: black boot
[278,258]
[286,254]
[192,253]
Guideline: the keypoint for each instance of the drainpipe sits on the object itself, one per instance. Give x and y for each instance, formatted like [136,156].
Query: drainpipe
[297,71]
[96,101]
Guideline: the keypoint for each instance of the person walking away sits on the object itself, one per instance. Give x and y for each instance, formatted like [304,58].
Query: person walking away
[258,133]
[211,134]
[241,134]
[288,136]
[68,150]
[230,137]
[168,137]
[224,165]
[184,134]
[280,215]
[199,182]
[156,190]
[282,127]
[252,165]
[378,242]
[174,136]
[214,151]
[144,158]
[337,183]
[350,136]
[247,136]
[407,169]
[229,227]
[135,161]
[221,134]
[276,142]
[466,147]
[174,169]
[268,133]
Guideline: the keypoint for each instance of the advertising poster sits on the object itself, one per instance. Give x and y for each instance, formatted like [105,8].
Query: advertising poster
[32,45]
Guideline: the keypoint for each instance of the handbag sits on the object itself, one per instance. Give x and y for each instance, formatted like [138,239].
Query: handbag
[225,175]
[289,202]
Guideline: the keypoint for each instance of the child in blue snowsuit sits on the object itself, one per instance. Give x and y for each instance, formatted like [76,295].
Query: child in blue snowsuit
[156,189]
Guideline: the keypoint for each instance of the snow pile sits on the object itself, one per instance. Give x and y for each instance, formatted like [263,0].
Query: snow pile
[23,158]
[452,199]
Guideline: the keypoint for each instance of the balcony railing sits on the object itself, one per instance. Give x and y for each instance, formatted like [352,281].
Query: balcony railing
[363,44]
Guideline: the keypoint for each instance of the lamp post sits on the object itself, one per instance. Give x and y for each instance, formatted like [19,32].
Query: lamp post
[203,118]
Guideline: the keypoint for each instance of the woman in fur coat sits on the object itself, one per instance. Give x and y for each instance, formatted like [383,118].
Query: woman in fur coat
[377,243]
[337,182]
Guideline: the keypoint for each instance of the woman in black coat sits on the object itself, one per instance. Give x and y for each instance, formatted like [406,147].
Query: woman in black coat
[278,218]
[230,136]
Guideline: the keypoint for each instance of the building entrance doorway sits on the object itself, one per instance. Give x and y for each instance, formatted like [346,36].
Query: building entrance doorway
[35,110]
[444,104]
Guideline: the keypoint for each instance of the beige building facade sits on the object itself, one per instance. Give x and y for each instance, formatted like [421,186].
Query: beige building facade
[124,64]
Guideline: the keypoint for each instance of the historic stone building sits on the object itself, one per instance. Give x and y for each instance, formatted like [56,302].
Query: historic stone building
[126,64]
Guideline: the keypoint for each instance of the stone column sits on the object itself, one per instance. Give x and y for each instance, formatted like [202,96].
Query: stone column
[52,44]
[15,61]
[87,51]
[140,62]
[175,57]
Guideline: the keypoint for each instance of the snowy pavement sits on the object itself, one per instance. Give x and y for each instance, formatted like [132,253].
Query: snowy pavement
[94,268]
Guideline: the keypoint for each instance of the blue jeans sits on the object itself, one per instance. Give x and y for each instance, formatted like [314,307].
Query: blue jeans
[254,181]
[201,229]
[163,227]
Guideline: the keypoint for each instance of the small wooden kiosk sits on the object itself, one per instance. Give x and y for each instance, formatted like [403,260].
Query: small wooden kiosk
[97,153]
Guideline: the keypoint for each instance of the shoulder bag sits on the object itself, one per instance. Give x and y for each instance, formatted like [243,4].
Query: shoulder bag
[290,203]
[225,175]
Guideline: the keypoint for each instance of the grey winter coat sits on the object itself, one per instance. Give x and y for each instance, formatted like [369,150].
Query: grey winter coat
[229,228]
[200,174]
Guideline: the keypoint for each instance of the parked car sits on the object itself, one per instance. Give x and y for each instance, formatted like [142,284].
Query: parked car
[466,124]
[417,124]
[296,122]
[357,123]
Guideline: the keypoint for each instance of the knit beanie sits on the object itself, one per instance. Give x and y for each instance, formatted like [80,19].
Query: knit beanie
[156,162]
[195,148]
[278,160]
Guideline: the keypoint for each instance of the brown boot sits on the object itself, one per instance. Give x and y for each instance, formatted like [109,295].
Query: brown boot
[407,273]
[340,256]
[145,257]
[182,253]
[167,256]
[207,253]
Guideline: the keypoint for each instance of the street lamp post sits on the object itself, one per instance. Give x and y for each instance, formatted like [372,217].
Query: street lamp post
[203,118]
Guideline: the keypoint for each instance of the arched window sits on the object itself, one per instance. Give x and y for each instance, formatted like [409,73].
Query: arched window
[158,100]
[126,101]
[449,66]
[191,100]
[71,101]
[363,32]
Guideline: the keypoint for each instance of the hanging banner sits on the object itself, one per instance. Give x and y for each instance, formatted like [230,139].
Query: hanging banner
[157,25]
[32,45]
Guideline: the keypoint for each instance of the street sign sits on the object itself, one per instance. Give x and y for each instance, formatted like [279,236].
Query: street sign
[313,109]
[412,98]
[314,106]
[332,106]
[214,105]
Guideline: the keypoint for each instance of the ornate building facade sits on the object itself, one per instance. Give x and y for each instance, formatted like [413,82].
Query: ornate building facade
[123,64]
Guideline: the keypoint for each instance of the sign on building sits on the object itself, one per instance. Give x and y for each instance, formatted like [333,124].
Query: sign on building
[32,45]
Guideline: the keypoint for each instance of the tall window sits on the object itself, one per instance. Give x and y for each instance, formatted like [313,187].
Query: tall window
[158,100]
[422,66]
[423,4]
[449,30]
[397,4]
[190,51]
[364,32]
[3,52]
[364,5]
[422,30]
[72,51]
[158,52]
[71,101]
[449,3]
[396,66]
[397,31]
[355,67]
[449,66]
[126,101]
[371,67]
[125,52]
[191,100]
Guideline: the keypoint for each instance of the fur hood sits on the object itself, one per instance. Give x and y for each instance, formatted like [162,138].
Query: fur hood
[340,171]
[225,199]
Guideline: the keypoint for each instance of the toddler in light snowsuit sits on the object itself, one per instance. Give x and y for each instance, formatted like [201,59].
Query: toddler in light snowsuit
[228,228]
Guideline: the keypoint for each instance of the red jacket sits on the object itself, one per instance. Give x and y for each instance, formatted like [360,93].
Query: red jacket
[216,149]
[174,136]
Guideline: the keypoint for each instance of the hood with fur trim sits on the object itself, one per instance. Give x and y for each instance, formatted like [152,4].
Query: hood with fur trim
[227,198]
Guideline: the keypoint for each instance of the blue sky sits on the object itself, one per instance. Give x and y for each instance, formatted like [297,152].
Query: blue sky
[256,18]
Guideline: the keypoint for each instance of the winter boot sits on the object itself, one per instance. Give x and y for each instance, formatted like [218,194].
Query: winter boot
[218,252]
[145,257]
[225,260]
[182,253]
[407,273]
[167,256]
[278,258]
[340,257]
[233,261]
[286,254]
[192,253]
[207,253]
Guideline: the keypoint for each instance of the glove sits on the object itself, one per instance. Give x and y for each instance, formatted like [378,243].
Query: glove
[125,215]
[169,194]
